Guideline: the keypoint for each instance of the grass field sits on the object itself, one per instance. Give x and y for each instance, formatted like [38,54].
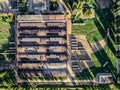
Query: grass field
[4,38]
[89,29]
[4,35]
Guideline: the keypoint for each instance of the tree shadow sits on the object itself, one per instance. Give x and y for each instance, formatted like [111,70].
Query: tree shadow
[105,21]
[104,56]
[8,79]
[106,17]
[100,87]
[2,57]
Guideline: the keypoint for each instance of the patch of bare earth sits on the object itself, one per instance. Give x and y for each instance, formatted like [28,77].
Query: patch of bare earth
[91,47]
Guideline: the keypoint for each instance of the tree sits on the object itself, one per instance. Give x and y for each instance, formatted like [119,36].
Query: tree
[74,5]
[87,11]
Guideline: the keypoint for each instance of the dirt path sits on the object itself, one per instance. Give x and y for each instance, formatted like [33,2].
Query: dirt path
[91,47]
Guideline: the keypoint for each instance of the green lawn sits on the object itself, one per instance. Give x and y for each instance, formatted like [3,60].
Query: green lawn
[4,39]
[99,58]
[4,35]
[94,36]
[89,29]
[102,56]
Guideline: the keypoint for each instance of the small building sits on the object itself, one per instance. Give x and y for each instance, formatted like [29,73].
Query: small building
[104,78]
[36,6]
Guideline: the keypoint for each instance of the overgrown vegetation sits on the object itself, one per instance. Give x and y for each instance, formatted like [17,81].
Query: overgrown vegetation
[81,9]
